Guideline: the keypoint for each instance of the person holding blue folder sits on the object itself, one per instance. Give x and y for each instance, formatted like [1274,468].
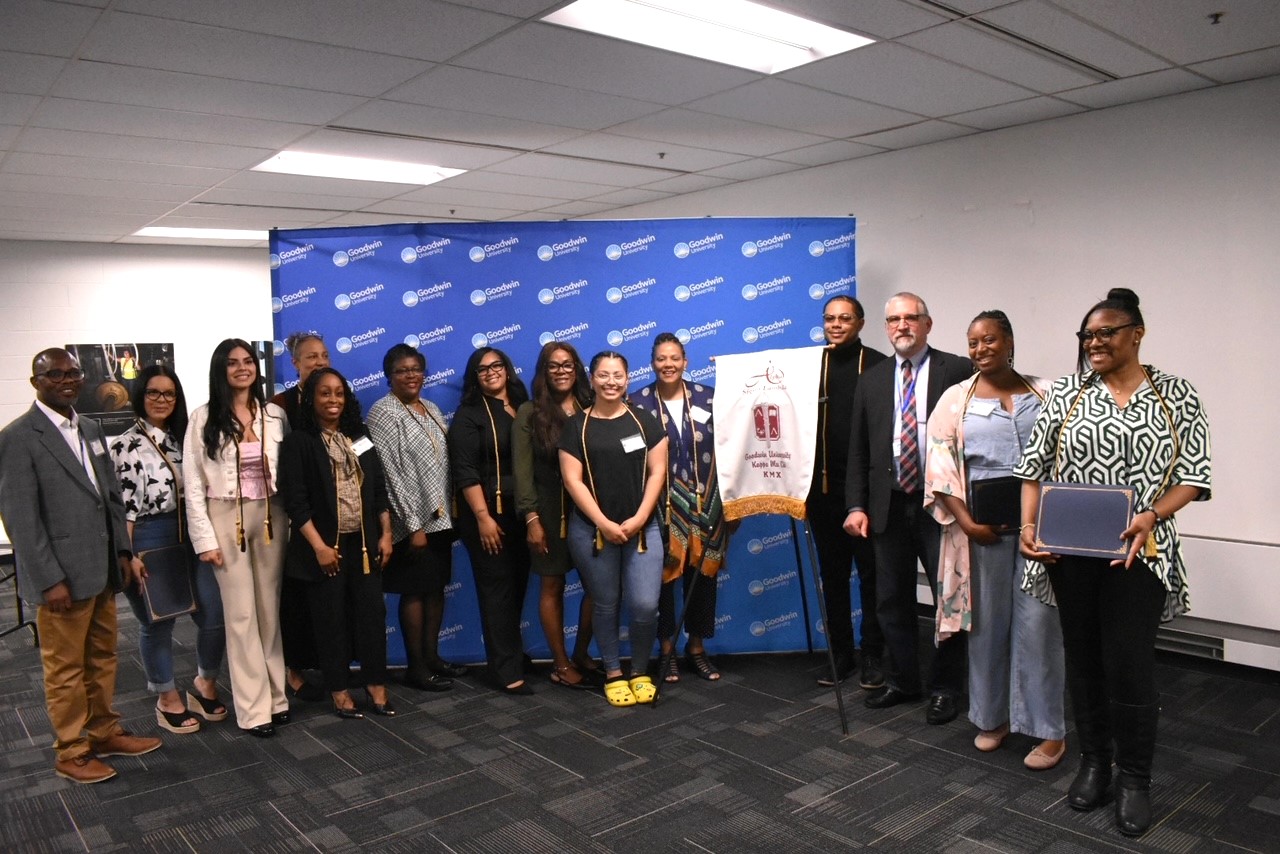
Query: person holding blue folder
[1116,422]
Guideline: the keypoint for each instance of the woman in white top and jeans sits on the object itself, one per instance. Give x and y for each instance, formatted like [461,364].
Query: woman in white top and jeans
[239,526]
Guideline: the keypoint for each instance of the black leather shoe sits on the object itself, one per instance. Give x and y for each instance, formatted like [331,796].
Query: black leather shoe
[448,669]
[1089,789]
[281,718]
[844,669]
[1133,807]
[385,709]
[887,697]
[259,731]
[942,709]
[348,713]
[428,682]
[872,676]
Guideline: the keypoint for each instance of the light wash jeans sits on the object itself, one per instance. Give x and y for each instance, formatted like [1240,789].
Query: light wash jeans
[615,573]
[155,640]
[1016,671]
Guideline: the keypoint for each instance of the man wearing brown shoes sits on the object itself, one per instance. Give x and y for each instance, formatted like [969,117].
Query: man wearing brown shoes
[63,512]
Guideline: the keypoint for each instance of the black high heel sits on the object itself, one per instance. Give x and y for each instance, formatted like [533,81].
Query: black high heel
[385,709]
[348,713]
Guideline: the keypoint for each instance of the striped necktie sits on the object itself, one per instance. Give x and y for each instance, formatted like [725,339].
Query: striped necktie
[909,459]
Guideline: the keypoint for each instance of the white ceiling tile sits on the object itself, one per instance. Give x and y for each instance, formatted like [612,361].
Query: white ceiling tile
[40,26]
[880,19]
[475,91]
[189,177]
[70,222]
[1140,88]
[644,152]
[906,79]
[356,144]
[359,192]
[448,195]
[827,152]
[551,188]
[139,149]
[579,209]
[1067,34]
[24,73]
[81,203]
[581,169]
[748,170]
[277,198]
[516,8]
[630,196]
[688,184]
[921,134]
[422,29]
[236,216]
[437,210]
[801,108]
[573,58]
[200,49]
[17,109]
[66,114]
[359,218]
[454,125]
[717,133]
[973,6]
[1181,30]
[193,241]
[1246,66]
[8,133]
[117,84]
[965,44]
[72,185]
[1018,113]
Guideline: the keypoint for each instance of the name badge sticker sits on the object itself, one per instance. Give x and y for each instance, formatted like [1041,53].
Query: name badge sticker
[95,447]
[633,443]
[982,408]
[364,443]
[697,413]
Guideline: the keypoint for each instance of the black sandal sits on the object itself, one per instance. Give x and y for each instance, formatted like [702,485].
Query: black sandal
[701,665]
[210,710]
[669,667]
[179,723]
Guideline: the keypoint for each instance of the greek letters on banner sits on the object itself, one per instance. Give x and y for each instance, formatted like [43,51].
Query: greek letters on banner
[769,402]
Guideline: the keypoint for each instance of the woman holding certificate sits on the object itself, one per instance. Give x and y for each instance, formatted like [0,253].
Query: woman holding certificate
[1116,423]
[148,461]
[976,435]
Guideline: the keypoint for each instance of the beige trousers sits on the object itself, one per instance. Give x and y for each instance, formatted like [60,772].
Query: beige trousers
[249,582]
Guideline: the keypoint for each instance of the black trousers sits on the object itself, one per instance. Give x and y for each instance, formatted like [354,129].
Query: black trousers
[700,618]
[350,619]
[910,536]
[501,582]
[837,553]
[1109,618]
[296,631]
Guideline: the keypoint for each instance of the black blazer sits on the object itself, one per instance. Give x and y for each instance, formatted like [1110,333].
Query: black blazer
[310,495]
[871,476]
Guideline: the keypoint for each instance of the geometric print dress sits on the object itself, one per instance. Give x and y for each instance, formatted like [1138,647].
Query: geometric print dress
[1105,444]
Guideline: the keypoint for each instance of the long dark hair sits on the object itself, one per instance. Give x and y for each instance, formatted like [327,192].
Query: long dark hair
[222,426]
[471,392]
[548,417]
[350,422]
[177,424]
[1122,300]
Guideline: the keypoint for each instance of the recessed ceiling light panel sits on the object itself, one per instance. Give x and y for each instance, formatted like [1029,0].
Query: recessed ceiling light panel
[355,168]
[202,233]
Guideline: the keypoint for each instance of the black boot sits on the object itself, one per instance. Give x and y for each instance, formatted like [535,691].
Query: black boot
[1135,730]
[1093,727]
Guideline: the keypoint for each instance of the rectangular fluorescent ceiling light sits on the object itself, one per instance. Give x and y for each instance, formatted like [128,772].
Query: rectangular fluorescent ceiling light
[355,168]
[202,233]
[734,32]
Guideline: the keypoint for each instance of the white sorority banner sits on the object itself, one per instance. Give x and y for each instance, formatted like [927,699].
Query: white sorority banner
[766,415]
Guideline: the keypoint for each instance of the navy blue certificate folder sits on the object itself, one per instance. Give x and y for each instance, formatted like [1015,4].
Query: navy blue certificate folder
[1084,519]
[167,589]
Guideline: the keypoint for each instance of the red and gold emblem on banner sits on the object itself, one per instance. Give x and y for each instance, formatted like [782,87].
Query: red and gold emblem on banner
[768,425]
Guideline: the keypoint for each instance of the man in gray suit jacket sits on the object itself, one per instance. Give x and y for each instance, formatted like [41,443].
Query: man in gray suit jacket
[884,496]
[62,509]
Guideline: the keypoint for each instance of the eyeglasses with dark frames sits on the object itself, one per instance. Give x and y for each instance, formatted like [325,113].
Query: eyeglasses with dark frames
[157,394]
[1102,333]
[57,375]
[491,368]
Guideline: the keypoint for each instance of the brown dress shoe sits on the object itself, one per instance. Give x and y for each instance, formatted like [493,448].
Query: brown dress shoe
[125,743]
[84,769]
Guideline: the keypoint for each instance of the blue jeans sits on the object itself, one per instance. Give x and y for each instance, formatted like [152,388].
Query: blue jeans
[615,573]
[155,640]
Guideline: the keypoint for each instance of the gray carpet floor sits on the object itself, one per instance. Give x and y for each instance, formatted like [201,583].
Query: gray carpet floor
[754,762]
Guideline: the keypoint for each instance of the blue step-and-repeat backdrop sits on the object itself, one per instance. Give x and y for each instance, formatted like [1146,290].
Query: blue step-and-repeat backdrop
[721,285]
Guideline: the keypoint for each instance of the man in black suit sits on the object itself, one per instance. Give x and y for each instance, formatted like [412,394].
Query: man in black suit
[884,495]
[62,509]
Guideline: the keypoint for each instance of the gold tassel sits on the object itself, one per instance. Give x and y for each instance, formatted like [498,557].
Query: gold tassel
[268,525]
[641,548]
[824,482]
[367,568]
[1150,550]
[497,501]
[240,535]
[564,527]
[599,541]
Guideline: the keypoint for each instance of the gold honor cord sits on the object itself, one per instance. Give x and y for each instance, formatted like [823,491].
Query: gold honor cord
[823,397]
[337,498]
[497,460]
[177,480]
[693,433]
[641,548]
[438,513]
[1149,550]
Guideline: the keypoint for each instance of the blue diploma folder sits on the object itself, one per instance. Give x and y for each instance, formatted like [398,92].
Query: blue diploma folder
[1084,519]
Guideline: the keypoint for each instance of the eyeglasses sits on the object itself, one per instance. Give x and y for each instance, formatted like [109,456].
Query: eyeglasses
[157,394]
[843,318]
[1102,333]
[560,367]
[407,372]
[895,319]
[57,375]
[491,368]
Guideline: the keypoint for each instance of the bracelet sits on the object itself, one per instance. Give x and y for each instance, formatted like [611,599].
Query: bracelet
[1024,527]
[1154,512]
[531,518]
